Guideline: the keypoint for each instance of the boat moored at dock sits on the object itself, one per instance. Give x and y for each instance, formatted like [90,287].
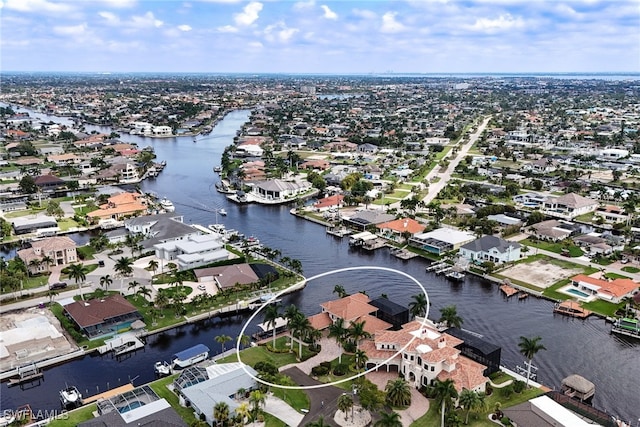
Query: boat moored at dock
[162,369]
[70,397]
[190,356]
[626,326]
[167,205]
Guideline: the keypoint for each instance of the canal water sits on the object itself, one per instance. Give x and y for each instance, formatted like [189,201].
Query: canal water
[573,346]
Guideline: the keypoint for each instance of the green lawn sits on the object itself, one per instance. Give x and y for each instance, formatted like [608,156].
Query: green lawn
[574,251]
[160,387]
[67,223]
[432,417]
[603,307]
[629,269]
[297,399]
[75,417]
[252,355]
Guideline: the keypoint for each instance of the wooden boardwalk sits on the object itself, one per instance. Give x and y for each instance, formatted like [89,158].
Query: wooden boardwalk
[509,291]
[109,393]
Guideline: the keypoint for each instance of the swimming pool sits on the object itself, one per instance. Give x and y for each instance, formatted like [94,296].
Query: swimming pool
[577,292]
[131,406]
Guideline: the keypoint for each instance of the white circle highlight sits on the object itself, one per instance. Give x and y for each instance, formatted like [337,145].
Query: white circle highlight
[309,387]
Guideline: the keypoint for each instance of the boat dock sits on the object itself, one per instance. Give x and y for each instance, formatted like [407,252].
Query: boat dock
[455,275]
[373,244]
[121,344]
[571,308]
[445,268]
[436,266]
[27,374]
[403,253]
[338,231]
[109,393]
[508,290]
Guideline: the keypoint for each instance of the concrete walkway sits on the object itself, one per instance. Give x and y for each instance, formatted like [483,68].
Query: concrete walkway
[281,410]
[330,350]
[419,404]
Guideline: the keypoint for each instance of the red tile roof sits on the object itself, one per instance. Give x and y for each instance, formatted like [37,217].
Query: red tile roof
[402,225]
[618,288]
[350,307]
[97,311]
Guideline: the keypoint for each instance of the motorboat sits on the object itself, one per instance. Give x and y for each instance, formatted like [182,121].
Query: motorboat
[217,169]
[222,212]
[167,205]
[162,369]
[70,397]
[190,356]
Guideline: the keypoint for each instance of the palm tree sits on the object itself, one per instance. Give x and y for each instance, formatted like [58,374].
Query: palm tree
[51,294]
[105,281]
[78,272]
[292,313]
[256,399]
[133,285]
[243,411]
[161,300]
[444,393]
[300,327]
[222,339]
[339,290]
[47,260]
[389,419]
[145,292]
[449,316]
[360,359]
[468,400]
[124,268]
[221,413]
[357,332]
[271,315]
[338,331]
[245,340]
[398,392]
[418,305]
[529,347]
[153,266]
[34,264]
[345,402]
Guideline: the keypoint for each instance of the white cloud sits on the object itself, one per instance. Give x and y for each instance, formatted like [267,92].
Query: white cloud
[328,13]
[36,6]
[249,14]
[148,20]
[279,32]
[227,29]
[304,5]
[503,22]
[70,30]
[120,4]
[185,27]
[364,13]
[111,18]
[389,23]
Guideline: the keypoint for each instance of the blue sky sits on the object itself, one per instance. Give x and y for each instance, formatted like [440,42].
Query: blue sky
[310,36]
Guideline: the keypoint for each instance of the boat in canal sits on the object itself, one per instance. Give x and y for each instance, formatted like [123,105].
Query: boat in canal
[222,212]
[70,397]
[190,356]
[162,369]
[626,326]
[167,205]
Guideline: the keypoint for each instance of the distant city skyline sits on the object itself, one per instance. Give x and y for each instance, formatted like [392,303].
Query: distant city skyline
[323,37]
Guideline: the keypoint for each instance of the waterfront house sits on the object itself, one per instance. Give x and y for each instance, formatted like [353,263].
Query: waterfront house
[60,249]
[609,290]
[49,182]
[120,206]
[476,348]
[194,251]
[329,202]
[39,223]
[351,309]
[100,317]
[227,276]
[202,387]
[441,240]
[569,206]
[363,219]
[491,248]
[278,191]
[428,355]
[553,230]
[397,229]
[543,411]
[160,228]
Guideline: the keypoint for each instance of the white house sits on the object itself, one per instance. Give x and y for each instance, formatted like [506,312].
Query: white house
[569,206]
[162,130]
[491,248]
[614,153]
[277,190]
[193,251]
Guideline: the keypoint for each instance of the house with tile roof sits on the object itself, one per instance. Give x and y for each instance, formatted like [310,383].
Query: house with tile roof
[102,316]
[120,206]
[491,248]
[609,290]
[60,249]
[396,230]
[351,309]
[568,206]
[427,355]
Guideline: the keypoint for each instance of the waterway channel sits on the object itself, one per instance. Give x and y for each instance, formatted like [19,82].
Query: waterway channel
[573,346]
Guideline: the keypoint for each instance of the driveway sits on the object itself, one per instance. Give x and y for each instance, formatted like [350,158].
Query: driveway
[419,404]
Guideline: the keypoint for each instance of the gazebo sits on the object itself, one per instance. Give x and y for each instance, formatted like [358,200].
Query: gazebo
[578,387]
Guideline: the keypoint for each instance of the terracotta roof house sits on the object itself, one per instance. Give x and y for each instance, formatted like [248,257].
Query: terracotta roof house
[394,230]
[315,164]
[613,291]
[569,206]
[354,308]
[61,250]
[120,206]
[329,202]
[431,355]
[102,316]
[227,276]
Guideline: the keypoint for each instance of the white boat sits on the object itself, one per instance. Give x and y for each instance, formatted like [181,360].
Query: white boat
[70,397]
[167,205]
[188,357]
[217,169]
[222,212]
[162,369]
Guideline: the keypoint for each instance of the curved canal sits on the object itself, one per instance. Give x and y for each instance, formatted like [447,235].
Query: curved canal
[573,346]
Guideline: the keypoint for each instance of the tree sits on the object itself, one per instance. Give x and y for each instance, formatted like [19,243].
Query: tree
[360,359]
[418,305]
[221,413]
[245,340]
[256,399]
[78,272]
[444,394]
[389,419]
[271,315]
[345,402]
[124,268]
[339,290]
[529,347]
[319,422]
[153,266]
[338,331]
[145,292]
[398,393]
[222,340]
[243,411]
[48,261]
[468,400]
[106,281]
[28,185]
[356,332]
[449,316]
[133,285]
[54,209]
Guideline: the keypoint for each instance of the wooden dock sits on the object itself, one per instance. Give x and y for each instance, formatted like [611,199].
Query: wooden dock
[509,291]
[403,253]
[27,374]
[571,308]
[109,393]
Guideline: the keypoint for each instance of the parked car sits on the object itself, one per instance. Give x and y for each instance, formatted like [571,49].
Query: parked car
[202,287]
[100,263]
[58,285]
